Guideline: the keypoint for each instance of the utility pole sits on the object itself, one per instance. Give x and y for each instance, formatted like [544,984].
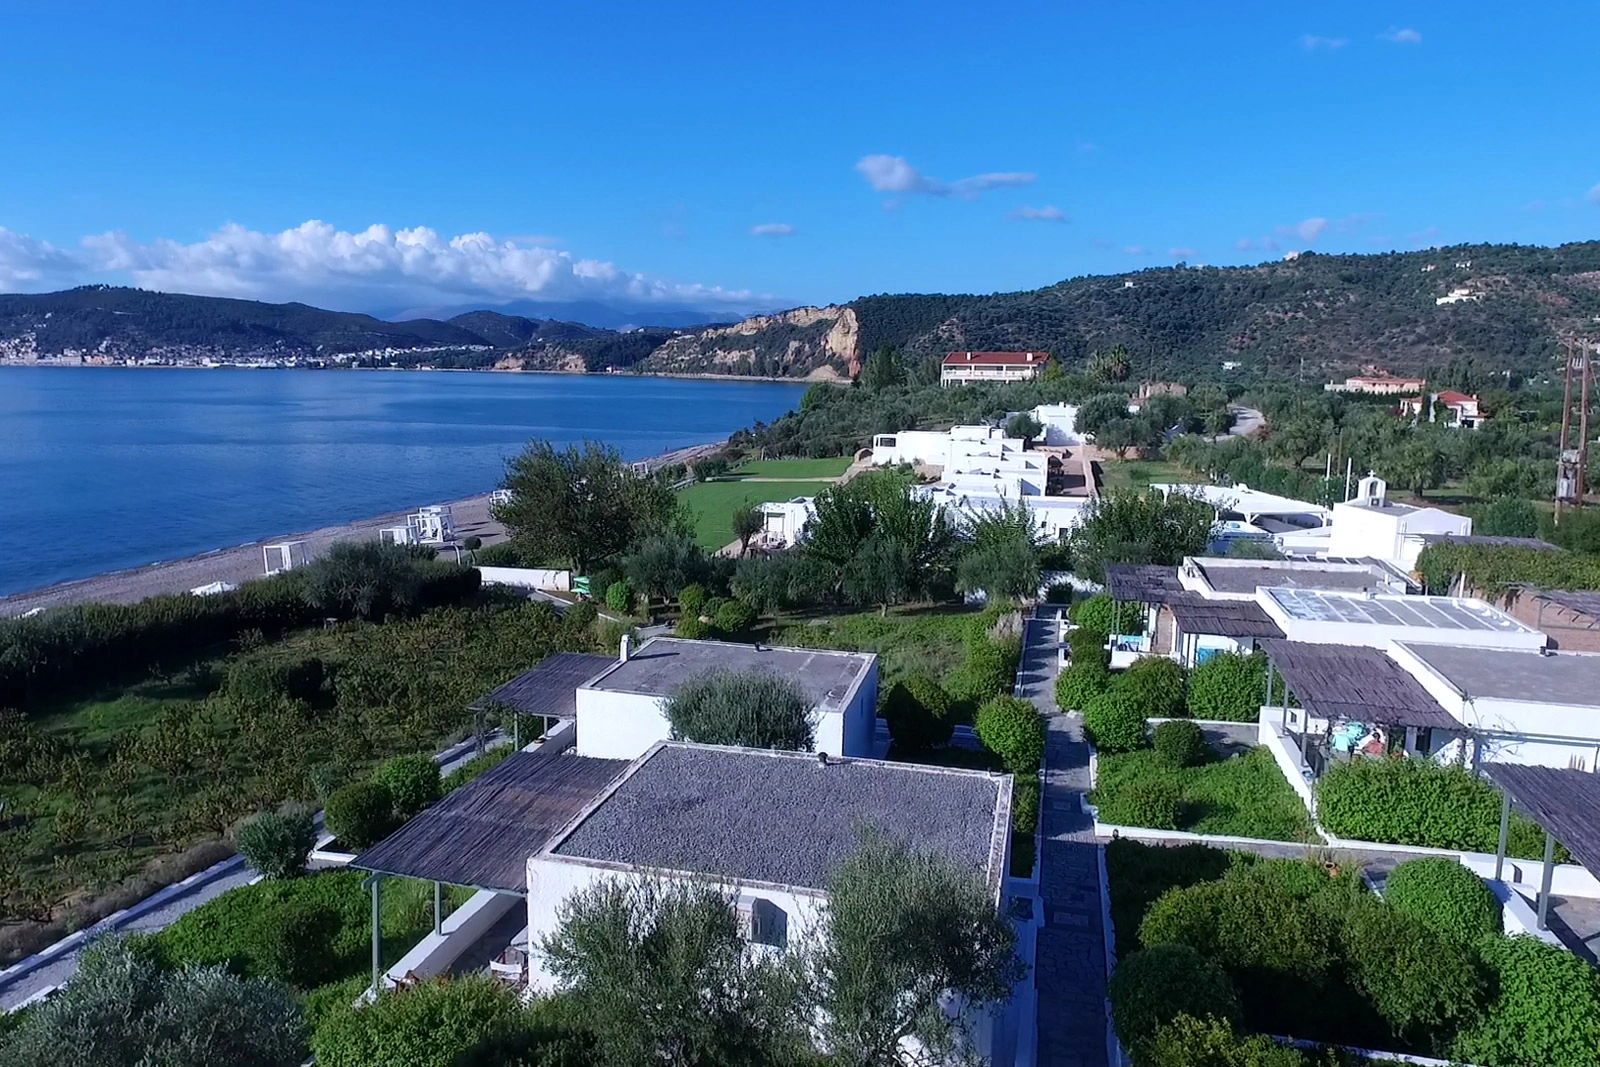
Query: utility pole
[1573,456]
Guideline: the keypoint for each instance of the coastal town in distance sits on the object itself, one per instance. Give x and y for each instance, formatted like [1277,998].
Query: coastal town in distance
[895,575]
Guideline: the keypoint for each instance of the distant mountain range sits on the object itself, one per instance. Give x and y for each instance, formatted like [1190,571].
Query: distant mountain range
[1502,306]
[588,312]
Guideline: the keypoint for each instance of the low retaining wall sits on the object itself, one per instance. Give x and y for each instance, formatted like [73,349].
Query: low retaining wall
[435,953]
[528,578]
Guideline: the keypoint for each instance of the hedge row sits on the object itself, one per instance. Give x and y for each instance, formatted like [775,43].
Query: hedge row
[1411,801]
[81,644]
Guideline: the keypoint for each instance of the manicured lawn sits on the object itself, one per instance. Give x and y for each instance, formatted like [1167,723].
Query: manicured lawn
[713,503]
[1139,473]
[793,468]
[1245,796]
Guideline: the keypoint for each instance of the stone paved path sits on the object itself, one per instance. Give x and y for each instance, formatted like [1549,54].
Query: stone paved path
[1071,970]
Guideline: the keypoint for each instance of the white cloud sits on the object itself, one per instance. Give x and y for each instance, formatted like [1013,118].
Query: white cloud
[28,263]
[1048,213]
[1310,229]
[892,174]
[1400,36]
[1594,194]
[772,229]
[376,266]
[1136,250]
[1313,43]
[1182,253]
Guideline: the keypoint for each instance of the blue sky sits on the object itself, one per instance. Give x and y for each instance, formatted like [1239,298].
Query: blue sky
[738,155]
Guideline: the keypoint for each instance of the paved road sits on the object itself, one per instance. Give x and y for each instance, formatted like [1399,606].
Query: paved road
[1071,969]
[1247,422]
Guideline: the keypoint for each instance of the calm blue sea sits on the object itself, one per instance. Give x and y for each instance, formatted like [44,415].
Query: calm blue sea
[103,469]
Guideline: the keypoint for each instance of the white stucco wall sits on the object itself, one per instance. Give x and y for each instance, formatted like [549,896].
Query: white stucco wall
[613,725]
[618,725]
[551,881]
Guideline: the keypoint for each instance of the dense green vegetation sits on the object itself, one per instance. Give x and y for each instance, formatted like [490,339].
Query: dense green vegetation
[1305,951]
[1245,796]
[1418,802]
[130,771]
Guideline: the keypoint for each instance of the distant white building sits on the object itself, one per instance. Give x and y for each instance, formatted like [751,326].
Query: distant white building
[1060,422]
[1055,517]
[1372,525]
[784,522]
[1246,514]
[962,368]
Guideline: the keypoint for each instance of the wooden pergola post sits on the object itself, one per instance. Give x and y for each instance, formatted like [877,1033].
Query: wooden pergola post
[1505,826]
[376,882]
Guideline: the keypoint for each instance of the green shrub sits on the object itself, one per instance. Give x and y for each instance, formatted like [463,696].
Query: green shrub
[1152,987]
[576,633]
[1410,801]
[690,628]
[1114,722]
[278,846]
[1080,683]
[1545,1007]
[1059,593]
[1139,874]
[1420,981]
[983,674]
[294,944]
[1180,743]
[1154,803]
[1012,729]
[1212,1042]
[472,768]
[917,711]
[412,782]
[1155,684]
[1024,823]
[1448,897]
[1268,940]
[1105,616]
[360,814]
[734,617]
[1229,686]
[266,677]
[692,599]
[435,1024]
[753,708]
[619,598]
[1245,796]
[1088,646]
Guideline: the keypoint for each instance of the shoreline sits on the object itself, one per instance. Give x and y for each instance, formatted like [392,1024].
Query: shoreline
[242,562]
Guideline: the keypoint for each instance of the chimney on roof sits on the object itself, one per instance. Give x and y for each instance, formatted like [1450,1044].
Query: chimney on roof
[1030,357]
[969,356]
[626,650]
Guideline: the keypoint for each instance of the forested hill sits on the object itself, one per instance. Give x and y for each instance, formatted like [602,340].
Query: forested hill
[126,322]
[1511,306]
[1335,312]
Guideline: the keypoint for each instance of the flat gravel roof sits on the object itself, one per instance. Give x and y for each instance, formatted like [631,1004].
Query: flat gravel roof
[782,817]
[1291,574]
[661,664]
[1559,678]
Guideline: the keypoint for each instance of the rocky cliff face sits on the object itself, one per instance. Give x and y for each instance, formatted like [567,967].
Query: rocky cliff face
[793,344]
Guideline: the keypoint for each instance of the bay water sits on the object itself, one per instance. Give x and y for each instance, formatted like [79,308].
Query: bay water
[103,469]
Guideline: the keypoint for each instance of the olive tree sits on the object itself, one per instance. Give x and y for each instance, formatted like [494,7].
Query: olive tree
[907,933]
[755,708]
[580,505]
[657,972]
[124,1009]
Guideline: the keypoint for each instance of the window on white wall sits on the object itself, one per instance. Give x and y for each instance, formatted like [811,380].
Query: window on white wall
[764,922]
